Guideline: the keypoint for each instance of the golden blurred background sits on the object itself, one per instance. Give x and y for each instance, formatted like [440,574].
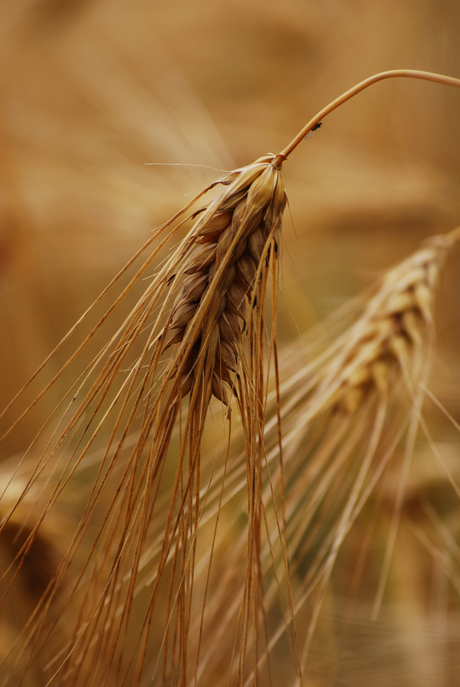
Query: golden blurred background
[91,91]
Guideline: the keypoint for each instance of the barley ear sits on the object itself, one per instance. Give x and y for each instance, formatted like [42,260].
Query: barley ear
[197,331]
[345,415]
[200,327]
[223,261]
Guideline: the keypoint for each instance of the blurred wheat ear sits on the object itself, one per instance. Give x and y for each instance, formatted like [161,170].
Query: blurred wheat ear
[350,411]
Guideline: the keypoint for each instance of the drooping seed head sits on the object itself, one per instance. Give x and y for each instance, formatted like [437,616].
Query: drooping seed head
[391,336]
[227,251]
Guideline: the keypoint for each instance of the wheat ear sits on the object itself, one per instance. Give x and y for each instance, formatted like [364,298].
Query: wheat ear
[215,282]
[224,258]
[222,270]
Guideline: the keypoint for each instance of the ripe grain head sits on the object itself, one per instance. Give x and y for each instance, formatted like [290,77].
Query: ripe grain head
[223,261]
[200,326]
[188,326]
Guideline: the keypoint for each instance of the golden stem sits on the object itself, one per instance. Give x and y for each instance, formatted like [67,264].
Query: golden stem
[408,73]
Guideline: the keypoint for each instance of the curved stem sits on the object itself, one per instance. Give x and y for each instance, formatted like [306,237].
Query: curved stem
[408,73]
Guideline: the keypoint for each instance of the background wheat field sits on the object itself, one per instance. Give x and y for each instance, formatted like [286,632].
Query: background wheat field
[91,91]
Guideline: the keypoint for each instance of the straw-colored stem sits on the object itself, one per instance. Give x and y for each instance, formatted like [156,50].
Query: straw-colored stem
[407,73]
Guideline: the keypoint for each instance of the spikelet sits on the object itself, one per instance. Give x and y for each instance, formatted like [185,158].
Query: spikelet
[343,414]
[192,322]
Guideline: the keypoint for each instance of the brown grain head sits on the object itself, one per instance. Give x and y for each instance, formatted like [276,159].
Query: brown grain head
[227,251]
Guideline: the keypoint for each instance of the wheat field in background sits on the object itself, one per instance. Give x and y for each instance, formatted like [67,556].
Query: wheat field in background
[362,510]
